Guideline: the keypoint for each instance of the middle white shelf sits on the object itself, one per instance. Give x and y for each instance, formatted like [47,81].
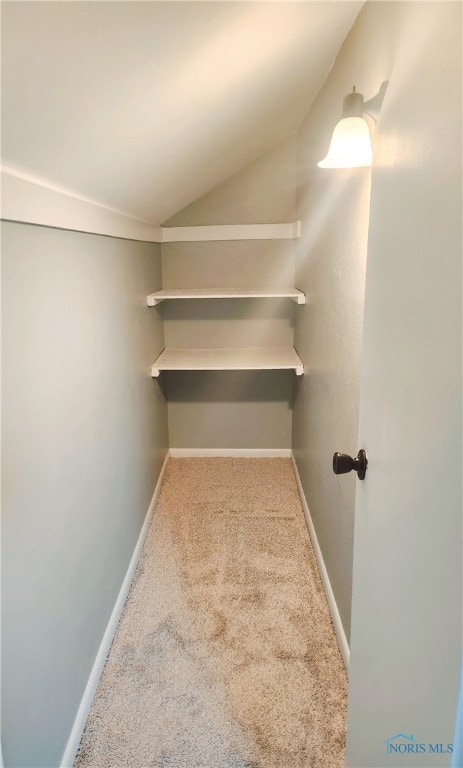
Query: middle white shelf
[211,293]
[229,359]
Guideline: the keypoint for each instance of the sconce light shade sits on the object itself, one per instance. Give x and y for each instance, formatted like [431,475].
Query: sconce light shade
[350,145]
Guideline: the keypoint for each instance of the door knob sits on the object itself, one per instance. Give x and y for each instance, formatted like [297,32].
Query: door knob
[343,463]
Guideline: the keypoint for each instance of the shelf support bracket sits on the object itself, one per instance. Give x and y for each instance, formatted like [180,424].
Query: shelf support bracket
[152,301]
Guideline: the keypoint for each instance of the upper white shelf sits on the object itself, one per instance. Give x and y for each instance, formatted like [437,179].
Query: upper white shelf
[209,293]
[229,359]
[288,231]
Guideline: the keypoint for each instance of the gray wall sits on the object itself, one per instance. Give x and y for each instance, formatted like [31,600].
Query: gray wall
[242,409]
[407,586]
[84,437]
[330,266]
[386,43]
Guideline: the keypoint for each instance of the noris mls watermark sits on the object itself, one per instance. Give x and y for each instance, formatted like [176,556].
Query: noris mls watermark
[402,744]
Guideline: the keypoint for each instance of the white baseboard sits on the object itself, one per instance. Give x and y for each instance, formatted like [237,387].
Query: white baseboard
[247,453]
[333,608]
[72,745]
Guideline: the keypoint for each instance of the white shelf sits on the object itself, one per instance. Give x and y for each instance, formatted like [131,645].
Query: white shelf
[289,231]
[247,359]
[210,293]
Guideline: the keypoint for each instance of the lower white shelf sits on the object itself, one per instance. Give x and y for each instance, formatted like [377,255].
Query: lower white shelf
[210,293]
[229,359]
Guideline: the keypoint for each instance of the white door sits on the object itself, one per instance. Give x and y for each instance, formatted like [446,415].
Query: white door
[407,596]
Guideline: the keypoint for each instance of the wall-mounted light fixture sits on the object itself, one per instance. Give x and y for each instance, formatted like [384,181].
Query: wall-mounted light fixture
[350,145]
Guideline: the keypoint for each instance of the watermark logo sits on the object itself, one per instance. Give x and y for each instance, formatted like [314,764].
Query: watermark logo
[404,744]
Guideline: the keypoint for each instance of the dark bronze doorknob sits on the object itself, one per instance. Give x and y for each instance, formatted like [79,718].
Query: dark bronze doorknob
[343,463]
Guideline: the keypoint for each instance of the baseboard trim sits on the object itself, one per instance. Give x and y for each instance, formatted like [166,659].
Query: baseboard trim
[247,453]
[72,745]
[333,608]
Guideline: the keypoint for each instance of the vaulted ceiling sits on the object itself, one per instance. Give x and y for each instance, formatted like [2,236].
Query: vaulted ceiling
[145,106]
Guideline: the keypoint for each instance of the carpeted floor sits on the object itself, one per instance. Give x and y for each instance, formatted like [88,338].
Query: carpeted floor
[225,656]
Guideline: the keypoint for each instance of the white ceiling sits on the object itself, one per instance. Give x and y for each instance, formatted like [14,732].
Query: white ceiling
[145,106]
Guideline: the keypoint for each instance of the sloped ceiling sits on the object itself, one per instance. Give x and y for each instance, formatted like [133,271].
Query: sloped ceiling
[145,106]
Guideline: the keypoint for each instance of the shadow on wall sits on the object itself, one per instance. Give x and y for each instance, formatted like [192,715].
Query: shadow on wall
[229,309]
[229,323]
[228,386]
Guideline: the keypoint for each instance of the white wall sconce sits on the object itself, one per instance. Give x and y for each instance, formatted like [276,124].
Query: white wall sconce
[350,145]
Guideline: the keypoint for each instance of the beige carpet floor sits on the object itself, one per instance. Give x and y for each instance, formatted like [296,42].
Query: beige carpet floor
[225,656]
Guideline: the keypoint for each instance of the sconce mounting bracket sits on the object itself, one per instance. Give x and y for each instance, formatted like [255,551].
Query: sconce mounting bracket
[373,105]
